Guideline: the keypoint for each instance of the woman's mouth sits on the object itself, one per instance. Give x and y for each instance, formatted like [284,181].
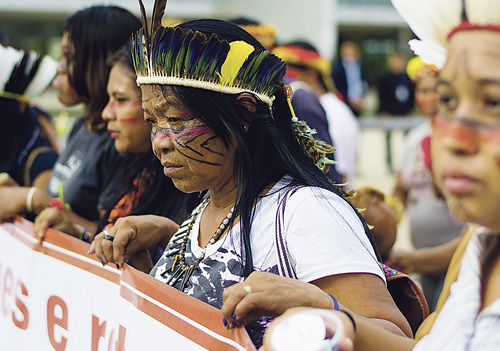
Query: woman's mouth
[459,184]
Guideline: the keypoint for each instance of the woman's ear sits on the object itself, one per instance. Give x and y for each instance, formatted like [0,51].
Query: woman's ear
[249,102]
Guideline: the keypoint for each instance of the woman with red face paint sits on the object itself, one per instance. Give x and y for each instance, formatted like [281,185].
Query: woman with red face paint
[84,178]
[224,132]
[465,148]
[144,188]
[431,223]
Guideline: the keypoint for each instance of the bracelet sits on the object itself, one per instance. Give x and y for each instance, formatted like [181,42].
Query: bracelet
[29,200]
[82,233]
[335,302]
[351,318]
[57,203]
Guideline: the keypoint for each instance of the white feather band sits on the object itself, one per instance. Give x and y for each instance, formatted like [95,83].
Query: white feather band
[433,20]
[202,85]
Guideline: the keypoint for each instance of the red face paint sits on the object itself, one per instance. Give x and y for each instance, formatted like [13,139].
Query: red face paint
[174,135]
[469,133]
[125,104]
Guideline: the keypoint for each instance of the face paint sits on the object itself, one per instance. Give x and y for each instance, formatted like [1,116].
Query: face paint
[468,132]
[465,143]
[192,155]
[123,113]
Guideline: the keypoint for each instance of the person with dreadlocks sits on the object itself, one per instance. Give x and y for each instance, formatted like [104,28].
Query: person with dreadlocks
[27,153]
[224,132]
[85,176]
[462,37]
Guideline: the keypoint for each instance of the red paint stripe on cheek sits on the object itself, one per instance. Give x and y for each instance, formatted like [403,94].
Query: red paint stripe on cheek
[131,119]
[464,134]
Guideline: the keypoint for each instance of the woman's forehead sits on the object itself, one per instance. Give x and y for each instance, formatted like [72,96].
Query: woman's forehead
[475,53]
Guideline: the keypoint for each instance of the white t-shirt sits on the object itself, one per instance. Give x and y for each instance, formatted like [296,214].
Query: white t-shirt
[345,132]
[458,325]
[323,235]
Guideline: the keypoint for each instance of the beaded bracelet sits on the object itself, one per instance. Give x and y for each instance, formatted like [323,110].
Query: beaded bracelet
[57,203]
[351,318]
[335,302]
[82,233]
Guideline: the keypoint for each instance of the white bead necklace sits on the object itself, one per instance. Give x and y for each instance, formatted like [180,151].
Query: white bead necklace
[178,248]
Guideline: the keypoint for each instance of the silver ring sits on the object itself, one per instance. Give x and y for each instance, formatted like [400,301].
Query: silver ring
[108,237]
[248,289]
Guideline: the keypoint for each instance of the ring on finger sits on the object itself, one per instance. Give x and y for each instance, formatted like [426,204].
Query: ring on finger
[108,237]
[248,289]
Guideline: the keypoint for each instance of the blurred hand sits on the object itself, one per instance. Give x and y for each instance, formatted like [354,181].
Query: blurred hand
[268,294]
[53,218]
[401,260]
[133,235]
[346,342]
[6,180]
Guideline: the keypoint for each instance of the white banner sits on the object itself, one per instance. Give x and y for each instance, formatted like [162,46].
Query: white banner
[56,297]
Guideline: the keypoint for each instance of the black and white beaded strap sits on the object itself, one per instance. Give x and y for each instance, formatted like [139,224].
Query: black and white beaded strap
[285,266]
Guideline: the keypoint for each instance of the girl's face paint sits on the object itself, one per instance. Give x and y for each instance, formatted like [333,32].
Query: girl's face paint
[66,94]
[426,97]
[192,155]
[124,113]
[465,144]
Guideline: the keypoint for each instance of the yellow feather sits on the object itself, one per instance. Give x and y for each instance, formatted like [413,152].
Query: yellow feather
[237,55]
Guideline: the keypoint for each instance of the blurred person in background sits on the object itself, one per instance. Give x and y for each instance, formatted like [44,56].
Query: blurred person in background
[144,188]
[305,101]
[85,176]
[349,77]
[396,96]
[431,223]
[312,72]
[27,152]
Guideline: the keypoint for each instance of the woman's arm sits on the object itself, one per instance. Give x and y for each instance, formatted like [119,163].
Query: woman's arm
[16,200]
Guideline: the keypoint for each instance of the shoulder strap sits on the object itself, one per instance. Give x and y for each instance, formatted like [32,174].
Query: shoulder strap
[285,266]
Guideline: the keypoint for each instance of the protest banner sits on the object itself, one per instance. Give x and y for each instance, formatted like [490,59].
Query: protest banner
[54,296]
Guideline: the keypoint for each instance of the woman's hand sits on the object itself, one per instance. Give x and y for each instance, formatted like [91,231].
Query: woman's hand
[268,294]
[53,218]
[285,323]
[6,180]
[132,235]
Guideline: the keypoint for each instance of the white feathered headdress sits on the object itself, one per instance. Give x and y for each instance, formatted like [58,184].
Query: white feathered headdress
[24,74]
[433,21]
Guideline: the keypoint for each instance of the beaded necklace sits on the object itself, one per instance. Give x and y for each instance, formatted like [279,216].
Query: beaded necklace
[178,246]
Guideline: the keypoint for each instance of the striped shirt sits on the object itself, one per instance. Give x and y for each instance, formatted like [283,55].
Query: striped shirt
[459,326]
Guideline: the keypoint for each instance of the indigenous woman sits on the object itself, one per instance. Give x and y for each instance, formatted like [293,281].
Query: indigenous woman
[224,132]
[144,189]
[27,153]
[465,148]
[431,223]
[85,176]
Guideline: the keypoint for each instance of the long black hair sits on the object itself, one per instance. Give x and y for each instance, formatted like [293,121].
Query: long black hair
[144,174]
[94,33]
[266,152]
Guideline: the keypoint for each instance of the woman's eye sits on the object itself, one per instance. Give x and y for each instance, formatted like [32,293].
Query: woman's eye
[448,101]
[492,103]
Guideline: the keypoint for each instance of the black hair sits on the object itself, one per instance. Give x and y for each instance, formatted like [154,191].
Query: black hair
[266,152]
[144,175]
[94,33]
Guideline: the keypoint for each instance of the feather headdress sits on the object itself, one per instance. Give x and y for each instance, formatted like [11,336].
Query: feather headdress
[24,74]
[173,56]
[433,21]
